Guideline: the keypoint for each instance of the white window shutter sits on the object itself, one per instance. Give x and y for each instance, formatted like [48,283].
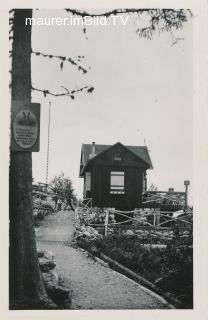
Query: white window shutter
[88,181]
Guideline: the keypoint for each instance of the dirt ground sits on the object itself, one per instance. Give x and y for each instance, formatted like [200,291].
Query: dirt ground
[94,286]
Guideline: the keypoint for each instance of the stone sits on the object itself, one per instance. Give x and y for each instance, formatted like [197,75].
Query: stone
[46,265]
[129,233]
[48,255]
[93,249]
[40,253]
[60,295]
[45,253]
[86,234]
[51,277]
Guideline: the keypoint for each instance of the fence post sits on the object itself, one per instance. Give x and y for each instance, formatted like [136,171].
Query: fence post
[106,222]
[134,221]
[154,221]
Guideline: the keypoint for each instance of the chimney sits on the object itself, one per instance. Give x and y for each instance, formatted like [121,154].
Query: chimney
[93,150]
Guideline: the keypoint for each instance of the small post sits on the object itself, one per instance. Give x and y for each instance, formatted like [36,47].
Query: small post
[157,217]
[119,230]
[47,162]
[106,222]
[186,183]
[154,215]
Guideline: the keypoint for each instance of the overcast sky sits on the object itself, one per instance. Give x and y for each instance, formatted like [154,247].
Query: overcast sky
[143,91]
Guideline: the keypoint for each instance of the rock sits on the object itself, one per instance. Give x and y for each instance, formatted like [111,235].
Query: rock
[60,295]
[40,253]
[86,234]
[93,250]
[46,265]
[50,278]
[46,254]
[129,233]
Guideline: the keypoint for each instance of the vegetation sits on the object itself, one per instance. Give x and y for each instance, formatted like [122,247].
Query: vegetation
[61,189]
[170,268]
[41,208]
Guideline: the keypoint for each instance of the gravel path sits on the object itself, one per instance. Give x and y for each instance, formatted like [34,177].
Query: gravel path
[94,286]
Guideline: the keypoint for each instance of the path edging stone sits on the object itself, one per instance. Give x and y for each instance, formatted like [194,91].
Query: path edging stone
[140,280]
[172,302]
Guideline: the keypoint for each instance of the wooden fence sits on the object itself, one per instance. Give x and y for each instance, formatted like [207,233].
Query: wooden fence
[137,223]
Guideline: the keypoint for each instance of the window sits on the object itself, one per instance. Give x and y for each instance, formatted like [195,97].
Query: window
[117,182]
[117,157]
[88,181]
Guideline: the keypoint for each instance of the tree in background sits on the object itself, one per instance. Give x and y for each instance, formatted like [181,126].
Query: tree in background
[61,189]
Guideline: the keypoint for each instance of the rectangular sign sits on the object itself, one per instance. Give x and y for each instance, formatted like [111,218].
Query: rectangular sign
[25,126]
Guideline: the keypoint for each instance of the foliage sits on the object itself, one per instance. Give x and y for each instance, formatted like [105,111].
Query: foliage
[61,189]
[159,19]
[152,187]
[94,215]
[41,208]
[171,267]
[45,204]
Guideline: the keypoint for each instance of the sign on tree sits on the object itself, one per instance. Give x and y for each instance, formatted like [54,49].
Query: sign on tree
[25,126]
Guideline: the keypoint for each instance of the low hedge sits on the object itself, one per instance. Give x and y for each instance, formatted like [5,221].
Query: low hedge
[171,268]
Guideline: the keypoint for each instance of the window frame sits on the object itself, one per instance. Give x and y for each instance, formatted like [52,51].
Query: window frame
[117,157]
[116,187]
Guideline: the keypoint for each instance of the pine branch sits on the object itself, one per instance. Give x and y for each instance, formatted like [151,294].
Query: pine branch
[11,21]
[160,19]
[105,14]
[68,93]
[63,59]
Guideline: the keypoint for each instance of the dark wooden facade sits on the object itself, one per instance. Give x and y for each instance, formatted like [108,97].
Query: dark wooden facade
[113,160]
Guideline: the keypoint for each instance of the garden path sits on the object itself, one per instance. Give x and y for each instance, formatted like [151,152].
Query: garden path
[94,286]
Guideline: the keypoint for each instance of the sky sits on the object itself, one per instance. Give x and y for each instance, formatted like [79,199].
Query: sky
[143,95]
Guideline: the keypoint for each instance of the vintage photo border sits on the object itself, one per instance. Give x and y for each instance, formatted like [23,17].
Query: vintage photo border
[200,159]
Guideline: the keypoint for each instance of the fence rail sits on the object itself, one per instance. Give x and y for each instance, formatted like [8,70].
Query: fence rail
[164,197]
[136,222]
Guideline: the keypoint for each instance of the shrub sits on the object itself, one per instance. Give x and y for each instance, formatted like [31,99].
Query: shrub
[173,266]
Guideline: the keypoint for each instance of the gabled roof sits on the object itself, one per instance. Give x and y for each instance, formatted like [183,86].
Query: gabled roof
[140,151]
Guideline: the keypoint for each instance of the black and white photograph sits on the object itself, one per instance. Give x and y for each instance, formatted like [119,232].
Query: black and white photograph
[101,160]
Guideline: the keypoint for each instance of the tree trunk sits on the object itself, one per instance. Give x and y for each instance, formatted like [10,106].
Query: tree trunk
[26,288]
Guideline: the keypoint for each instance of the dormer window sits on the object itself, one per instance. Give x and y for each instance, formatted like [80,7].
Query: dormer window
[117,157]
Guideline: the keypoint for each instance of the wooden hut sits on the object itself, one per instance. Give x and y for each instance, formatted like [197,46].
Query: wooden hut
[114,175]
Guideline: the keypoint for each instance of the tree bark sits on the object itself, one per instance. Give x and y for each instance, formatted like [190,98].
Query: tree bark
[26,288]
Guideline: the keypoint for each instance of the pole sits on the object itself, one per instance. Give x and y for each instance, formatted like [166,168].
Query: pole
[47,162]
[186,183]
[154,215]
[106,223]
[186,197]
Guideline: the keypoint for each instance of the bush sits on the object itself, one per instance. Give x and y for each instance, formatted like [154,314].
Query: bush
[173,266]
